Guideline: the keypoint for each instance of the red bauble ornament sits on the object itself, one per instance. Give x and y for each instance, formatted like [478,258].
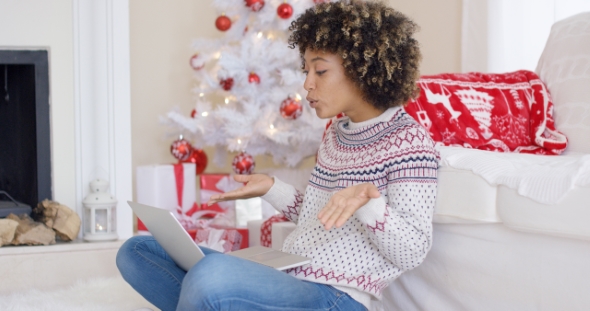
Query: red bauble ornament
[196,62]
[285,11]
[199,157]
[227,84]
[254,78]
[193,113]
[291,108]
[255,5]
[223,23]
[243,164]
[181,149]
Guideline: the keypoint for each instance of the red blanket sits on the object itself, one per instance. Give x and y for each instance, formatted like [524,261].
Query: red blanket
[509,112]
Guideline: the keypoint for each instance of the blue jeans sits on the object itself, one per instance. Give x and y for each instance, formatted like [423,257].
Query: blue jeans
[221,282]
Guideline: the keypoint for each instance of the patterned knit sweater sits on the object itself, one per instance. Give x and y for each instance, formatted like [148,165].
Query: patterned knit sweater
[386,236]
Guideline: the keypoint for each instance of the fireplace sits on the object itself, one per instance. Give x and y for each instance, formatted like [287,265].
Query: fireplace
[25,157]
[85,53]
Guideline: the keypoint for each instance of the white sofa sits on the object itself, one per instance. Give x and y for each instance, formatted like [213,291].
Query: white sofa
[519,240]
[512,231]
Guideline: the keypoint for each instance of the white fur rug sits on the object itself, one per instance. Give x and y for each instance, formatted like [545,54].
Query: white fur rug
[102,294]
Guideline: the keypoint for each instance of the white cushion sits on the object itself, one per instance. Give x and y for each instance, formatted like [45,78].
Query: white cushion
[464,197]
[564,66]
[532,193]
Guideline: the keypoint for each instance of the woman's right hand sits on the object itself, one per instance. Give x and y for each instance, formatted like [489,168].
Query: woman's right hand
[255,185]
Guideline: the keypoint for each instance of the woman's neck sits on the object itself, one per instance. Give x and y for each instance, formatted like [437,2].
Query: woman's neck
[363,112]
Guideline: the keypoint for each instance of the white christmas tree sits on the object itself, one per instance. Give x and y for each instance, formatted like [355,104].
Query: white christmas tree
[250,85]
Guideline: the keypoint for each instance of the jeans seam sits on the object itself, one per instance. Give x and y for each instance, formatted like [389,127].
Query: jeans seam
[335,302]
[152,263]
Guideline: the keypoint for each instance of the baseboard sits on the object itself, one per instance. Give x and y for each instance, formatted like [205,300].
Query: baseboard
[23,267]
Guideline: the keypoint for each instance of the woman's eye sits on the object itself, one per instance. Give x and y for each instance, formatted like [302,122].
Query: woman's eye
[305,72]
[320,72]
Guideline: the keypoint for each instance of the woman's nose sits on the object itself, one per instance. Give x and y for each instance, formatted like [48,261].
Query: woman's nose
[309,84]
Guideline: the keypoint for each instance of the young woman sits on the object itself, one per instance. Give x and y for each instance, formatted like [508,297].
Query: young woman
[366,215]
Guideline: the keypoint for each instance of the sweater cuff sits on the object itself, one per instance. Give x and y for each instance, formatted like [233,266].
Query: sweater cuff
[372,212]
[280,194]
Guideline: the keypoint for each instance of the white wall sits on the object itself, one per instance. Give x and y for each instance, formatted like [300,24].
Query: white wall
[42,24]
[440,32]
[508,35]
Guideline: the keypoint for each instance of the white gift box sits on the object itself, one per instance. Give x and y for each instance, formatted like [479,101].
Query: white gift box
[280,231]
[248,210]
[157,186]
[254,232]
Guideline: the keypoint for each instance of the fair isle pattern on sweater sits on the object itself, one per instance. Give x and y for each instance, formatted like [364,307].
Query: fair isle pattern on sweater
[386,236]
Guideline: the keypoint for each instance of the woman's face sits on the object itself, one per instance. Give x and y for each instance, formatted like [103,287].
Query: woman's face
[330,91]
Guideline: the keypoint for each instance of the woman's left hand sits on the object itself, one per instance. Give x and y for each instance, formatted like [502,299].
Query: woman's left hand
[345,202]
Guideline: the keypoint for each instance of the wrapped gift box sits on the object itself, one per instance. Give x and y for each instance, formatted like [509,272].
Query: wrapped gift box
[271,232]
[168,186]
[221,240]
[228,213]
[266,229]
[254,232]
[248,210]
[214,184]
[210,237]
[280,231]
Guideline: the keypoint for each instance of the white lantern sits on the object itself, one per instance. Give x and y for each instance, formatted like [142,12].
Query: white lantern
[100,213]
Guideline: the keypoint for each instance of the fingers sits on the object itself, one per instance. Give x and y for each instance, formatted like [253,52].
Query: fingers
[231,195]
[242,178]
[344,203]
[227,196]
[337,211]
[326,212]
[255,185]
[340,215]
[343,217]
[333,211]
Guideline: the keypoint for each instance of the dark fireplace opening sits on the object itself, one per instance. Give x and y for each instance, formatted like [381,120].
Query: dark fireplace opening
[25,159]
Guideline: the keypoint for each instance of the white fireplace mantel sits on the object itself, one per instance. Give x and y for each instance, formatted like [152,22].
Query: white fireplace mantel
[102,102]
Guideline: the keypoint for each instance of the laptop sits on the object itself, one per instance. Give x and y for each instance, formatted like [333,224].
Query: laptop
[183,250]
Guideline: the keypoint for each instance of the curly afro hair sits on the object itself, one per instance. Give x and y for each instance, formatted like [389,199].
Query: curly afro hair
[375,41]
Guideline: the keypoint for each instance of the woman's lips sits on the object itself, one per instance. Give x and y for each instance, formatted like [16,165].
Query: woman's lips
[312,103]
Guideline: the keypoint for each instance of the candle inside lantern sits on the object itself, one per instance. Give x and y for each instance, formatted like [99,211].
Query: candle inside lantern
[100,213]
